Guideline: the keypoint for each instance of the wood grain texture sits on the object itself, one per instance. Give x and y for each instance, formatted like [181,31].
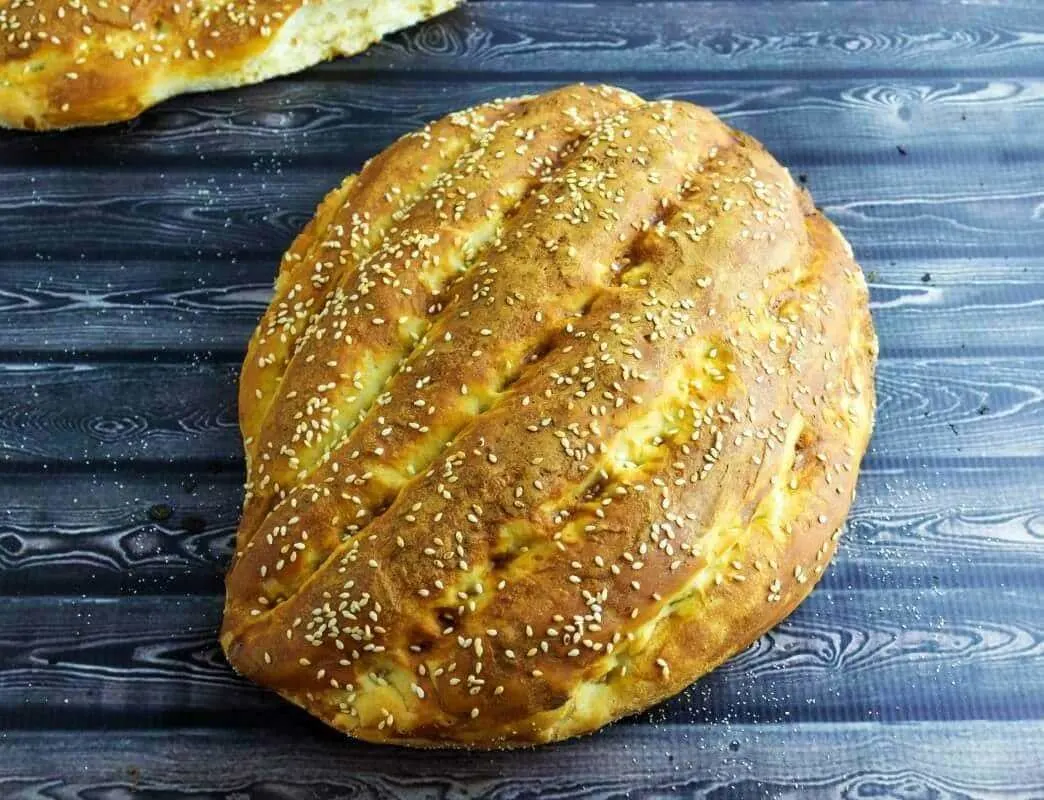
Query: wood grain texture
[983,210]
[80,412]
[504,38]
[118,531]
[698,761]
[718,37]
[843,656]
[106,532]
[135,259]
[339,123]
[143,309]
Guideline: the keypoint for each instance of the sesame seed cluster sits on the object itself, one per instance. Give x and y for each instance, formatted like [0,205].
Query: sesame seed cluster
[65,63]
[559,403]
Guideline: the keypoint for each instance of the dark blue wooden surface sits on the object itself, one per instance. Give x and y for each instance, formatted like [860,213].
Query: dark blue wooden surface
[134,261]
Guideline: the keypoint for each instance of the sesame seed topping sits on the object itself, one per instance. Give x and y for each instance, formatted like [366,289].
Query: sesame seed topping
[526,407]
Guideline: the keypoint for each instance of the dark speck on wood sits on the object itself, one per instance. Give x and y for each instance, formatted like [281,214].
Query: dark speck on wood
[193,524]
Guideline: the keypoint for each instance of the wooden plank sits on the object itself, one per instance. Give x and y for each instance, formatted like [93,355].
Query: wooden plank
[209,310]
[108,533]
[902,207]
[135,306]
[588,37]
[888,655]
[700,762]
[113,532]
[292,123]
[972,306]
[160,239]
[934,408]
[94,413]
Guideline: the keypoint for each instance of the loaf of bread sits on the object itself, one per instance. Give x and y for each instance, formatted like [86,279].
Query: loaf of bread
[65,63]
[559,403]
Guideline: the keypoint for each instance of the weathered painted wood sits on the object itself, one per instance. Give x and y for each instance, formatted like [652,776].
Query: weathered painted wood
[298,122]
[134,306]
[894,208]
[112,532]
[108,533]
[719,37]
[135,259]
[949,761]
[95,413]
[843,656]
[701,762]
[167,309]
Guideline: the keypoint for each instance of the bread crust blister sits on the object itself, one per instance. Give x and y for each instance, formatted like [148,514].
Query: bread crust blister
[559,403]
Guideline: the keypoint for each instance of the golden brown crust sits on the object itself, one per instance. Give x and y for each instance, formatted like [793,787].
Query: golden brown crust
[616,445]
[352,221]
[66,63]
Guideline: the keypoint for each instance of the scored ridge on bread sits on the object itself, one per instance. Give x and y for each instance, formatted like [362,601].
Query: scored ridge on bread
[559,404]
[67,63]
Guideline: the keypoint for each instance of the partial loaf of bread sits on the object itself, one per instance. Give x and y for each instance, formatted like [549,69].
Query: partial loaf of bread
[559,403]
[65,63]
